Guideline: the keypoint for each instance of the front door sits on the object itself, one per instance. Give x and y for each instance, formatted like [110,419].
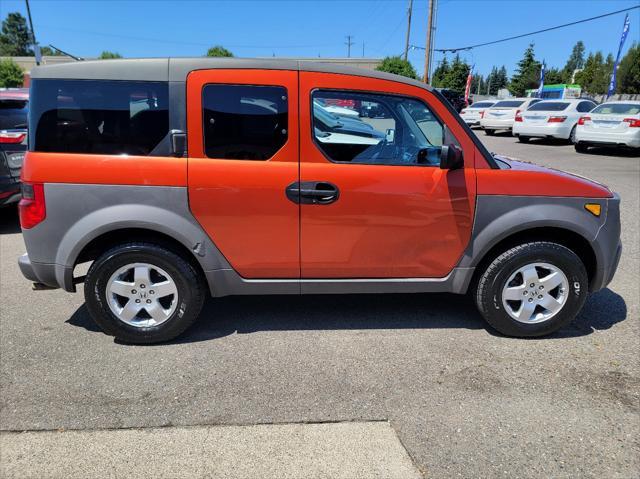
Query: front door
[377,204]
[243,153]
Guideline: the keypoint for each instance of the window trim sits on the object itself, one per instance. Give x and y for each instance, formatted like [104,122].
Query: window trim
[368,92]
[204,144]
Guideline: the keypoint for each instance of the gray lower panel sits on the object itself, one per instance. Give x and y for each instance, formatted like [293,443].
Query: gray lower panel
[227,282]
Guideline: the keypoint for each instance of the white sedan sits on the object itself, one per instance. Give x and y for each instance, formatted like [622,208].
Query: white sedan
[502,115]
[551,119]
[615,123]
[472,114]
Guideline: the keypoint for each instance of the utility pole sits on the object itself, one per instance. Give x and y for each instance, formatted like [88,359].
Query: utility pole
[36,49]
[406,43]
[428,47]
[362,49]
[348,43]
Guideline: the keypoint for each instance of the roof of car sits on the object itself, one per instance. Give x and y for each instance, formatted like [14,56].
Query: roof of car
[626,102]
[177,69]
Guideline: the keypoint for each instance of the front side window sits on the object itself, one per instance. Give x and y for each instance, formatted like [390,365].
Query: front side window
[585,106]
[363,128]
[100,117]
[244,122]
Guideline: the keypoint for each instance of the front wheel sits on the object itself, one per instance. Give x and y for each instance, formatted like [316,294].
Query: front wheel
[489,132]
[581,147]
[532,289]
[143,293]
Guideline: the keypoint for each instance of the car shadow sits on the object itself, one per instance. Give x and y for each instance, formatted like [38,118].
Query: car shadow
[248,314]
[548,142]
[612,151]
[9,221]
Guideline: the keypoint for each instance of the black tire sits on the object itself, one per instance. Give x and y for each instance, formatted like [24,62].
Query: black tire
[489,132]
[490,285]
[581,147]
[572,136]
[190,285]
[523,139]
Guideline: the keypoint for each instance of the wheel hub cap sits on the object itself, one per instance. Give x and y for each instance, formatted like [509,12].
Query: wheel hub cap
[535,293]
[142,295]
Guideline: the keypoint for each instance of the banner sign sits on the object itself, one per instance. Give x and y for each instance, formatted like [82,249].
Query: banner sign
[467,89]
[612,82]
[539,92]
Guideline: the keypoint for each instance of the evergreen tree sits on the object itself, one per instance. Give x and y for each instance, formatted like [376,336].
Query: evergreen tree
[628,77]
[397,65]
[456,78]
[594,77]
[527,74]
[553,76]
[15,40]
[478,84]
[575,62]
[439,74]
[497,80]
[219,51]
[50,52]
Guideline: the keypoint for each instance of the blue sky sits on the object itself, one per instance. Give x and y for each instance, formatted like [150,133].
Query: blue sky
[302,28]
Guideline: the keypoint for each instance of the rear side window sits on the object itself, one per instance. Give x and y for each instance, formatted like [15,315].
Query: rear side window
[585,106]
[244,122]
[549,106]
[99,117]
[13,114]
[618,109]
[508,104]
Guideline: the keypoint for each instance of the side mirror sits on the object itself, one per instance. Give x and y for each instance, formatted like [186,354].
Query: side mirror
[451,157]
[178,143]
[390,135]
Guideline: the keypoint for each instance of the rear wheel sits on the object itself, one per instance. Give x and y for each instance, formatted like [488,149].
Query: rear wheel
[489,132]
[581,147]
[523,139]
[143,293]
[532,290]
[572,136]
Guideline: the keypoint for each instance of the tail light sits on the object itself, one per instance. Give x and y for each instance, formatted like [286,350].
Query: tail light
[518,116]
[584,119]
[32,206]
[482,114]
[556,119]
[12,137]
[633,122]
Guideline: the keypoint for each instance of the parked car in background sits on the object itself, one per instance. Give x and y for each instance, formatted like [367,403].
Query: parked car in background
[473,113]
[234,180]
[456,99]
[14,107]
[615,123]
[551,119]
[503,113]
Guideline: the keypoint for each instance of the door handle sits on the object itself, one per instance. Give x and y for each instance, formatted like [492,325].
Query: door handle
[312,192]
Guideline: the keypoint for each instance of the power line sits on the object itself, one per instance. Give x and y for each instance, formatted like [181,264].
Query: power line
[453,50]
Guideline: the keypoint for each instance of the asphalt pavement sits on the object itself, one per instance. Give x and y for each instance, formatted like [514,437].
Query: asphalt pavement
[462,400]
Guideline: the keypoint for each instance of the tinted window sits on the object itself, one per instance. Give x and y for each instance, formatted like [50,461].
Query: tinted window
[483,104]
[508,104]
[13,114]
[101,117]
[549,106]
[244,122]
[385,129]
[618,109]
[585,106]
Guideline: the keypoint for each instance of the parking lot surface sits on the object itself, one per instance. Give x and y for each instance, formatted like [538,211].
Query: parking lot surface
[463,400]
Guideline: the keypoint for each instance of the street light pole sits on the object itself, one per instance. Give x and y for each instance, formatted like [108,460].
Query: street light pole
[427,50]
[406,43]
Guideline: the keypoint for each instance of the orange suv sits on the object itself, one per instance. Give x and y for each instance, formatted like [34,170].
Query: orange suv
[183,178]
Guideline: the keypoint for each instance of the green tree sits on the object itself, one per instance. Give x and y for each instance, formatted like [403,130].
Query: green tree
[553,76]
[629,71]
[527,74]
[219,51]
[50,52]
[398,66]
[478,84]
[594,77]
[11,75]
[439,74]
[497,80]
[456,78]
[107,55]
[575,62]
[15,40]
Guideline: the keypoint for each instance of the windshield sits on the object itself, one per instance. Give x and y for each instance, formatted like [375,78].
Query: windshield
[618,109]
[13,114]
[482,104]
[508,104]
[549,106]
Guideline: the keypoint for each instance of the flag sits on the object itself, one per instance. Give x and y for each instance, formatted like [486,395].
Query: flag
[539,92]
[612,82]
[467,89]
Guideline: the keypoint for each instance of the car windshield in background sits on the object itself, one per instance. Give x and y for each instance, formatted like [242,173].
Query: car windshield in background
[549,106]
[482,104]
[508,104]
[617,109]
[13,114]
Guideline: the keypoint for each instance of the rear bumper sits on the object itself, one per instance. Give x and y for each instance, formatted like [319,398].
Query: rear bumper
[628,138]
[51,275]
[493,124]
[544,130]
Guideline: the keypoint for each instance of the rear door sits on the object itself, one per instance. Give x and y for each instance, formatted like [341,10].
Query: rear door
[381,209]
[243,153]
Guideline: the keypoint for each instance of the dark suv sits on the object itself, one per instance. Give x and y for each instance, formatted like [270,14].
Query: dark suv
[14,106]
